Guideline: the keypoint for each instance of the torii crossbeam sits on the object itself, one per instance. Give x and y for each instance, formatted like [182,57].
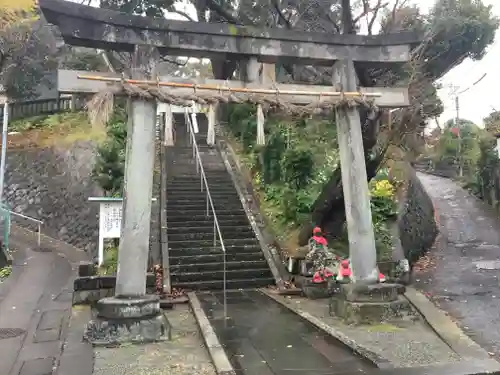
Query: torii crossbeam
[106,29]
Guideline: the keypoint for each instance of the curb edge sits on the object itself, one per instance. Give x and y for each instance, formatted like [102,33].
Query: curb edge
[215,349]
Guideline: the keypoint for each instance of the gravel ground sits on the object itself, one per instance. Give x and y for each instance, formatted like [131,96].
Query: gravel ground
[184,355]
[413,343]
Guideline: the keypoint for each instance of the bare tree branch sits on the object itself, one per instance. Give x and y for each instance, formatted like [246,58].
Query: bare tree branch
[214,6]
[281,16]
[375,13]
[183,14]
[367,10]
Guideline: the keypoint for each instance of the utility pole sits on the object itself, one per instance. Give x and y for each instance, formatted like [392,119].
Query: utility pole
[459,135]
[457,93]
[4,147]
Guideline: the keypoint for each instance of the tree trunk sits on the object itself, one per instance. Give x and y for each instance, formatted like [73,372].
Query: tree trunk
[328,210]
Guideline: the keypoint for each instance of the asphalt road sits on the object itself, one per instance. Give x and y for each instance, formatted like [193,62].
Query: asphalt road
[464,270]
[35,303]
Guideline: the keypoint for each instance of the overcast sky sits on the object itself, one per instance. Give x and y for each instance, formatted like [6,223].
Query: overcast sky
[478,101]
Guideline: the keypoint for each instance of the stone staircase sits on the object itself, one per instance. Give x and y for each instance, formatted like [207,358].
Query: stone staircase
[194,262]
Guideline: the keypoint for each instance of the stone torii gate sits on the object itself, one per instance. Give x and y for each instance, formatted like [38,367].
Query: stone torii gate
[146,38]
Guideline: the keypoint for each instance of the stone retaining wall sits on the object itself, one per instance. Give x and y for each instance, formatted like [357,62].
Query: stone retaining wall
[416,221]
[53,184]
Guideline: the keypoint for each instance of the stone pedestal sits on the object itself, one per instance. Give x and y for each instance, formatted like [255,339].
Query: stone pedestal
[121,320]
[322,290]
[371,304]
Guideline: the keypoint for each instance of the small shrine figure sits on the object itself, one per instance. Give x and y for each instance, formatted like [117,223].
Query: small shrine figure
[344,273]
[320,257]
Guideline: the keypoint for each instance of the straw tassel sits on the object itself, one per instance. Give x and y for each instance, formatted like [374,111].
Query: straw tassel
[261,140]
[169,126]
[211,125]
[194,120]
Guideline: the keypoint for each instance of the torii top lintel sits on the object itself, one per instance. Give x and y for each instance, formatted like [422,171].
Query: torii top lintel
[87,26]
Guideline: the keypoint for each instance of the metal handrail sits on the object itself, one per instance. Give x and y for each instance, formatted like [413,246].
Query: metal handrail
[203,181]
[39,223]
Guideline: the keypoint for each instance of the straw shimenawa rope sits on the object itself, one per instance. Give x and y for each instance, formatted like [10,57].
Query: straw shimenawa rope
[101,105]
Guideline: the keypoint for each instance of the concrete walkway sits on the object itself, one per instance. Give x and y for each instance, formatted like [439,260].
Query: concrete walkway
[35,304]
[261,337]
[463,270]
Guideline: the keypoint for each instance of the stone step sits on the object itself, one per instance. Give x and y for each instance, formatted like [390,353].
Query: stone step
[196,236]
[187,160]
[200,205]
[216,258]
[215,177]
[195,195]
[201,211]
[209,168]
[228,234]
[218,267]
[209,229]
[193,183]
[193,190]
[217,172]
[203,220]
[219,275]
[189,248]
[230,284]
[212,173]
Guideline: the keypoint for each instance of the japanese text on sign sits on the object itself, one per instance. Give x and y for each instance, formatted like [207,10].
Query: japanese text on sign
[110,219]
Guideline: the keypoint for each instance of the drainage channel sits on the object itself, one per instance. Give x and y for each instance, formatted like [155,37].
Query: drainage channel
[261,337]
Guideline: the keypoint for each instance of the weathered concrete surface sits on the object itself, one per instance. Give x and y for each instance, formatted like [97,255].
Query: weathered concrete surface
[184,355]
[469,239]
[405,345]
[37,300]
[261,337]
[101,28]
[445,327]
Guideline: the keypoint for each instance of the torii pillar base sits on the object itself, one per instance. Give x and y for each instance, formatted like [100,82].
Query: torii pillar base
[359,303]
[122,320]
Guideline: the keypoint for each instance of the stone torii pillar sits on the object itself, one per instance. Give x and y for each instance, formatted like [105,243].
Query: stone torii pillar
[264,73]
[362,251]
[131,315]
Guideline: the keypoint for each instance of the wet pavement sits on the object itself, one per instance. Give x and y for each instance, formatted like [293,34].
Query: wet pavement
[34,307]
[261,337]
[464,268]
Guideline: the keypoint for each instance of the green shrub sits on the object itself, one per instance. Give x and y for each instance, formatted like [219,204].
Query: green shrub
[109,167]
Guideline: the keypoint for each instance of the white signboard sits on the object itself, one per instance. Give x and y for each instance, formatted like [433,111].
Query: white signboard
[110,221]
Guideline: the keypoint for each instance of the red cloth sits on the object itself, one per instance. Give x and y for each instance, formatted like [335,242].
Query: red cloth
[455,131]
[317,278]
[321,276]
[320,239]
[345,270]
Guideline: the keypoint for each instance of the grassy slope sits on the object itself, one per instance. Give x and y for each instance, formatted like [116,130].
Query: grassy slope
[58,129]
